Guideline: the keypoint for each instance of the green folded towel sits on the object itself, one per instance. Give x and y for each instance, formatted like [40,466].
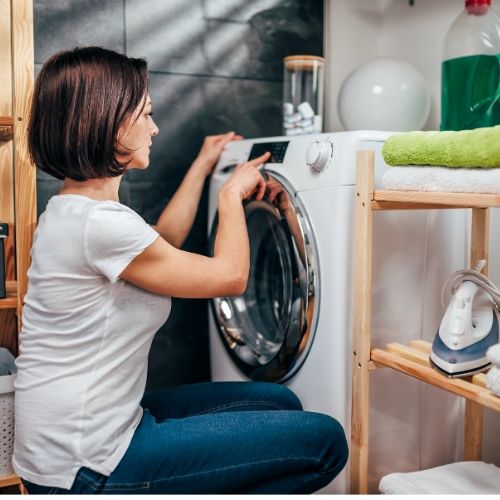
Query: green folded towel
[466,148]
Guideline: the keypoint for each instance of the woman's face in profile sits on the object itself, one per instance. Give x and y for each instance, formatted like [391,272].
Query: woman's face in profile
[136,136]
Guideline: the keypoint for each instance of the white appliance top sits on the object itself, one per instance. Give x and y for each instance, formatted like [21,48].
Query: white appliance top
[309,161]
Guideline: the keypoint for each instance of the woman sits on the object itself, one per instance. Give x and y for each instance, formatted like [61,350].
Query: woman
[100,284]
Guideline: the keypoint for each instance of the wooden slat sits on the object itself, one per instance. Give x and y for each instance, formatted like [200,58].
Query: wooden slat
[9,480]
[453,200]
[361,322]
[479,379]
[398,205]
[25,175]
[426,374]
[419,352]
[10,302]
[421,345]
[408,353]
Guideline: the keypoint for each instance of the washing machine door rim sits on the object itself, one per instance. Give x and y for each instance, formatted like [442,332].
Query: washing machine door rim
[268,330]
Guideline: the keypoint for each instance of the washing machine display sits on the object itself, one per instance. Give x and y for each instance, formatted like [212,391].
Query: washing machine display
[266,331]
[277,150]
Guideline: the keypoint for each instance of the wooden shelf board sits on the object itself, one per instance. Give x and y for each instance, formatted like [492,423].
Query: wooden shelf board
[408,200]
[415,362]
[10,302]
[6,128]
[421,345]
[9,480]
[6,121]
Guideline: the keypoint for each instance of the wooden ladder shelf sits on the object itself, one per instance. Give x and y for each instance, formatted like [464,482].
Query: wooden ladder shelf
[411,360]
[17,173]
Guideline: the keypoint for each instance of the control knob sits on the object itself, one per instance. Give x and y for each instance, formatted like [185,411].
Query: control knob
[319,154]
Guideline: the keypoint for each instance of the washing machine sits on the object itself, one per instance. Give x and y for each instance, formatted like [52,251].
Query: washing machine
[293,324]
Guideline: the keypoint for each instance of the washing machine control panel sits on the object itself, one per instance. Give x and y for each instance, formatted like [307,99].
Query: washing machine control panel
[277,150]
[319,154]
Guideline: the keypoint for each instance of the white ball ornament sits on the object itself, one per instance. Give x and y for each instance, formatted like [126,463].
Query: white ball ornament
[384,94]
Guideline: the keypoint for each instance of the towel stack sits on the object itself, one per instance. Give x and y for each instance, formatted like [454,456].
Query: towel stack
[493,376]
[472,478]
[467,161]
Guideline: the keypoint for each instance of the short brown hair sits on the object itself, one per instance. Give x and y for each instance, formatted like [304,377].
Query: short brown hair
[81,98]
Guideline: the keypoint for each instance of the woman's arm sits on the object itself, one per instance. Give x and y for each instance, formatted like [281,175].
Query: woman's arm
[161,268]
[177,218]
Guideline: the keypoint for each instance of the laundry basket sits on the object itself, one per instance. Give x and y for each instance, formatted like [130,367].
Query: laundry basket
[7,377]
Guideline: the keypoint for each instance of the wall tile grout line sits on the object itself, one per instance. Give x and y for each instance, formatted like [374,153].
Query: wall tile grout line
[207,75]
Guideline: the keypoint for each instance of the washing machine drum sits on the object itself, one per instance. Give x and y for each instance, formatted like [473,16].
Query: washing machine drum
[267,330]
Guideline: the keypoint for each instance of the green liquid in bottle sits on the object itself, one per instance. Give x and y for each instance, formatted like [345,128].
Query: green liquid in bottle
[470,92]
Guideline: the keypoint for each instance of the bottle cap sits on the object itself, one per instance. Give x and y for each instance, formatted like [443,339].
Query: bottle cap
[470,3]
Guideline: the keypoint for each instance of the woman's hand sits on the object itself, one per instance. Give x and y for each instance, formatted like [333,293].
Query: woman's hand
[211,150]
[277,195]
[246,180]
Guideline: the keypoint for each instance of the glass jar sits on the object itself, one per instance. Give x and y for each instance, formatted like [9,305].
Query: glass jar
[303,93]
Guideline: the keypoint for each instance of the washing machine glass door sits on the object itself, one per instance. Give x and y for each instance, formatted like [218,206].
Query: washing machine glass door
[265,330]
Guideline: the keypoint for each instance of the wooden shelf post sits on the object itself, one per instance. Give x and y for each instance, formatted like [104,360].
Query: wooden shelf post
[17,173]
[473,423]
[25,173]
[362,321]
[8,320]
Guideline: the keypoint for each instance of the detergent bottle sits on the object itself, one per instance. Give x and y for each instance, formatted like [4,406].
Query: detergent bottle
[470,72]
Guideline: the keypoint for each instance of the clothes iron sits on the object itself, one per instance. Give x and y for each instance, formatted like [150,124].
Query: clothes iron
[469,326]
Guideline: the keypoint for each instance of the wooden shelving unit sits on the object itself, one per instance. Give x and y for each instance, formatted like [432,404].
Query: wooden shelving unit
[412,360]
[17,174]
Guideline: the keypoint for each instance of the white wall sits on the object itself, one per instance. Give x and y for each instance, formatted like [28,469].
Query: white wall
[358,30]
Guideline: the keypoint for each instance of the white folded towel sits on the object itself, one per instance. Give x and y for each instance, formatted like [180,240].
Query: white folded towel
[460,477]
[455,180]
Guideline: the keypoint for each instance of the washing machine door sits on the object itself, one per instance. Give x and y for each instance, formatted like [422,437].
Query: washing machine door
[267,330]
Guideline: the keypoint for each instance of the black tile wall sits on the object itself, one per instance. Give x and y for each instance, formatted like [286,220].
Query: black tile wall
[237,38]
[64,24]
[215,66]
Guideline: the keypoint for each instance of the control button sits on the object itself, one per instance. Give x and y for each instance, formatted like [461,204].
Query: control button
[313,153]
[319,154]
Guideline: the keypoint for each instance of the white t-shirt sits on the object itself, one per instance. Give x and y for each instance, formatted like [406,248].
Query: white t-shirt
[85,341]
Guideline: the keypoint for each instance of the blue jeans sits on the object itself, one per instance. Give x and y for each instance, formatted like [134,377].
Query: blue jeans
[222,437]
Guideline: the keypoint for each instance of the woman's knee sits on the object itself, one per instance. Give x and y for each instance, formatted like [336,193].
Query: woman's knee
[336,450]
[279,394]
